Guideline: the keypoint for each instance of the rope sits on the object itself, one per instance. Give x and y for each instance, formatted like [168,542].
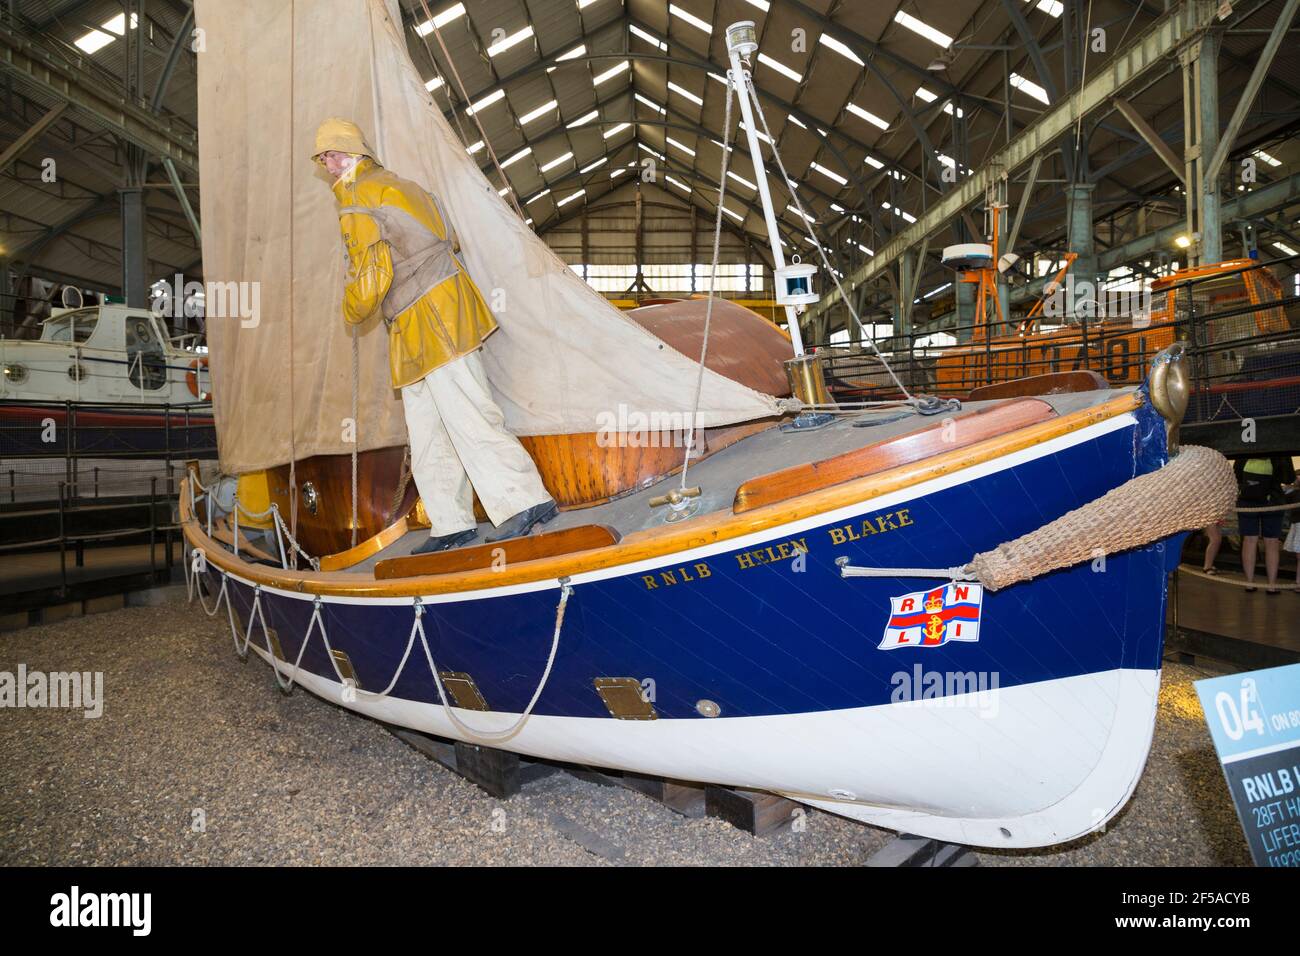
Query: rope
[356,438]
[1266,508]
[951,574]
[713,281]
[565,590]
[293,447]
[417,628]
[402,483]
[807,222]
[1194,489]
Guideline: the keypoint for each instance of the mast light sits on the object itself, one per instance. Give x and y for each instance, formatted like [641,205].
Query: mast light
[742,38]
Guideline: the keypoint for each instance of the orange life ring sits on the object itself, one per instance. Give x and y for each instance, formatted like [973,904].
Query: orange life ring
[192,379]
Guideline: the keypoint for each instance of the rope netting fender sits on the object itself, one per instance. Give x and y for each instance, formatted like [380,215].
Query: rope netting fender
[1196,488]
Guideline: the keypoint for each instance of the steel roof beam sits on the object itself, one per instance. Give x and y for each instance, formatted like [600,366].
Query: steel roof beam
[33,62]
[1147,51]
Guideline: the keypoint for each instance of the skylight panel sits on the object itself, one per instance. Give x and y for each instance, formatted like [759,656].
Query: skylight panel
[538,113]
[475,148]
[1053,8]
[96,40]
[440,20]
[544,192]
[526,151]
[780,67]
[874,163]
[922,28]
[646,101]
[573,54]
[1029,87]
[615,130]
[898,212]
[596,165]
[571,197]
[797,122]
[829,174]
[434,83]
[687,17]
[648,37]
[609,74]
[741,179]
[485,102]
[733,215]
[678,183]
[804,216]
[842,49]
[557,161]
[867,115]
[926,95]
[659,156]
[1260,154]
[519,36]
[682,146]
[680,91]
[582,120]
[761,4]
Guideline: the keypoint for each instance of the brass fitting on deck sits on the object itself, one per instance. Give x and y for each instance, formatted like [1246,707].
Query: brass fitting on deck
[1170,389]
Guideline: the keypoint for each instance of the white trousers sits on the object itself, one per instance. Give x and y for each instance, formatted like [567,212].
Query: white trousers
[459,445]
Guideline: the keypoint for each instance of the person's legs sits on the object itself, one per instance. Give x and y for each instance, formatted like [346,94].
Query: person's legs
[1215,536]
[439,475]
[1248,545]
[504,476]
[1272,554]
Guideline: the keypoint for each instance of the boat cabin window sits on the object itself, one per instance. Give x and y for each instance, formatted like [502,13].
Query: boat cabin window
[71,327]
[146,359]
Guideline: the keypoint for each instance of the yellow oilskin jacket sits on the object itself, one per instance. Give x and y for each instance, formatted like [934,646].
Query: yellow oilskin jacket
[442,321]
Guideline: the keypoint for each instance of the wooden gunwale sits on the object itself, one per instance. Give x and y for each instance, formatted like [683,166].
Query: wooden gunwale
[650,543]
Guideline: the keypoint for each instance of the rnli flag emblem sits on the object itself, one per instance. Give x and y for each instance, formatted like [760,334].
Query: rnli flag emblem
[933,618]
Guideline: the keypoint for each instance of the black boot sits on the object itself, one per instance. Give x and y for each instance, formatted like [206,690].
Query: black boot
[524,522]
[445,542]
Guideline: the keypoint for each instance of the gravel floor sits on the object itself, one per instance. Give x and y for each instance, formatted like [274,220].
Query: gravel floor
[189,731]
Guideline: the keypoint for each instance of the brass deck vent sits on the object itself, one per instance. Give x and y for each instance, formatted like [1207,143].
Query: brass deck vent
[276,649]
[624,699]
[462,690]
[344,664]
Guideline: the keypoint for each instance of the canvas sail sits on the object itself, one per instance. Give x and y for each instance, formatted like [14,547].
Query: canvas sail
[563,360]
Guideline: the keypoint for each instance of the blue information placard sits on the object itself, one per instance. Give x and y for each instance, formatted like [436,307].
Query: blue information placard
[1254,719]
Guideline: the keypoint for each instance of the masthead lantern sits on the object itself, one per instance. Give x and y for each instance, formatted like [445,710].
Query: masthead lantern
[742,38]
[794,284]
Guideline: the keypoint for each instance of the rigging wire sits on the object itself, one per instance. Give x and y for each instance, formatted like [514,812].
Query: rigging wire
[752,92]
[692,425]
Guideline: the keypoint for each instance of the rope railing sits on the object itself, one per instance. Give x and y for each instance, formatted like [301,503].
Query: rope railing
[197,565]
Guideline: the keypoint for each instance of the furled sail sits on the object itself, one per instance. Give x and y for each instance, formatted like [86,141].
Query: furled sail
[564,360]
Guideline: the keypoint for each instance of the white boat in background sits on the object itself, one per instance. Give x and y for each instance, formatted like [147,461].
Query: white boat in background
[106,353]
